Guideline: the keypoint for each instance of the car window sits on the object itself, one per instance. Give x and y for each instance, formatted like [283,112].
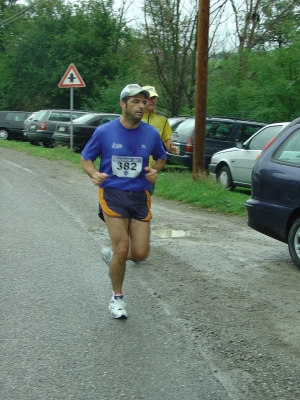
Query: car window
[263,137]
[174,123]
[105,119]
[218,130]
[63,116]
[41,115]
[31,117]
[245,132]
[184,130]
[59,116]
[77,115]
[174,120]
[15,116]
[85,119]
[289,151]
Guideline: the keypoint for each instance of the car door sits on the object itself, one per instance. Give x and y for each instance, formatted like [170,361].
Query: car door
[85,132]
[14,123]
[245,158]
[242,163]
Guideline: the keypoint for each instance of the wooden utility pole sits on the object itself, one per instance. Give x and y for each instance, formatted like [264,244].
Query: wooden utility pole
[201,88]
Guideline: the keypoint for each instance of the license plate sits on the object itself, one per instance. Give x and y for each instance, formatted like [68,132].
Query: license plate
[61,129]
[32,126]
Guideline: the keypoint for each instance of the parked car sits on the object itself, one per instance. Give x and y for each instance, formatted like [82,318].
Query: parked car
[274,206]
[27,123]
[233,167]
[175,121]
[83,129]
[221,133]
[44,124]
[11,124]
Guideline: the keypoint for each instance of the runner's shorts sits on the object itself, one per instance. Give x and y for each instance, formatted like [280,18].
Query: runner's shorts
[116,203]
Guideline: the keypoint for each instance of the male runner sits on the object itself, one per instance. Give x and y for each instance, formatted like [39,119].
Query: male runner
[124,146]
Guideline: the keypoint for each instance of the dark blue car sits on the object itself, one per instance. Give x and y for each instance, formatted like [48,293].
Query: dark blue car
[274,206]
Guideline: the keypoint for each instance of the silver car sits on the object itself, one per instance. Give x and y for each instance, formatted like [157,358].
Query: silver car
[233,167]
[27,122]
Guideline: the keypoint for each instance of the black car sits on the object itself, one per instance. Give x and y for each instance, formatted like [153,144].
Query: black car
[274,206]
[83,129]
[11,124]
[221,133]
[44,124]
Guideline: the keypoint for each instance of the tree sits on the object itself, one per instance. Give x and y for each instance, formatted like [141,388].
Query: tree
[258,23]
[268,92]
[170,32]
[38,52]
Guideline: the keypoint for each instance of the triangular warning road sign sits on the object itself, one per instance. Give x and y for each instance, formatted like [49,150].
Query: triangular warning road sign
[71,78]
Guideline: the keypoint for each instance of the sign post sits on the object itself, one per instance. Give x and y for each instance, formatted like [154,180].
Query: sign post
[70,80]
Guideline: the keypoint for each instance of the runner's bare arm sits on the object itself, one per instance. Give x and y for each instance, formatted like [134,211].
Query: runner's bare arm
[96,176]
[159,164]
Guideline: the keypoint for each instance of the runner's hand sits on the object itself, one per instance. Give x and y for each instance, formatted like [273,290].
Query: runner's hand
[151,174]
[174,149]
[98,178]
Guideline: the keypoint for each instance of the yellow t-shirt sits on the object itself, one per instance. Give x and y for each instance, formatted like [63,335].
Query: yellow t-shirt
[161,123]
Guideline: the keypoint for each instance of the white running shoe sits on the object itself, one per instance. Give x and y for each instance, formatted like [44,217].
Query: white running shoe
[107,254]
[117,307]
[135,262]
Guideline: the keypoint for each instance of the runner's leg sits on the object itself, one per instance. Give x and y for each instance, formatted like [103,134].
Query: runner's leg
[118,232]
[139,233]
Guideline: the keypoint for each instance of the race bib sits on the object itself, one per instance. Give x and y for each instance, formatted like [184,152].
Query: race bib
[126,167]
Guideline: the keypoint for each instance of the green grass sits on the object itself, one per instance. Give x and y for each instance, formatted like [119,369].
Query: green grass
[173,183]
[203,192]
[59,153]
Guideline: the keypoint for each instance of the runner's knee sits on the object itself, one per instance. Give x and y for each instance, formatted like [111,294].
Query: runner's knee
[139,254]
[121,250]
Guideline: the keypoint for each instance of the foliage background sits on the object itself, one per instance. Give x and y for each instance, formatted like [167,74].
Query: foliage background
[253,60]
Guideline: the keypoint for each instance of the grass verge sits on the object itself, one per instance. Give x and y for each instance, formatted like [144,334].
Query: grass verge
[203,192]
[172,184]
[58,153]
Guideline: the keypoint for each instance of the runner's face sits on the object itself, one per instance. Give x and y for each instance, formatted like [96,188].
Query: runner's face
[151,104]
[134,109]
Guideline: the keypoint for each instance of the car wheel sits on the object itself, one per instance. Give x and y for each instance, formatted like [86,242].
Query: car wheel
[48,144]
[294,242]
[4,134]
[34,142]
[225,179]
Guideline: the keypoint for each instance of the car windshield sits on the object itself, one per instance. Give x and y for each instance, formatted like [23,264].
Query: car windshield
[85,118]
[263,137]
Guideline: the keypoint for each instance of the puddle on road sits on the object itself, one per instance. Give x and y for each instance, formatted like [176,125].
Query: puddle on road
[171,233]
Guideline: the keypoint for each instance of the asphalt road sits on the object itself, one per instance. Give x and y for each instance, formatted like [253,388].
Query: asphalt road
[57,338]
[214,312]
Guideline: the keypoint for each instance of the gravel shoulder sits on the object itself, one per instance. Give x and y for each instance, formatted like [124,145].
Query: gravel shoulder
[233,291]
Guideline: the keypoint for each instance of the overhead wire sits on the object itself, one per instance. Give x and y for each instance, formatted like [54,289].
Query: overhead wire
[17,16]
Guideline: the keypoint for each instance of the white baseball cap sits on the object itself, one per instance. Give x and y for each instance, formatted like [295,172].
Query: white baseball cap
[132,90]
